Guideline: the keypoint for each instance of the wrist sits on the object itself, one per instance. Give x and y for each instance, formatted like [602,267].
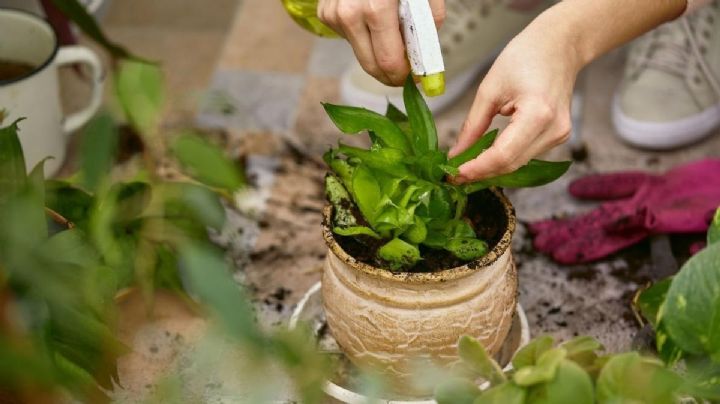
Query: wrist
[553,29]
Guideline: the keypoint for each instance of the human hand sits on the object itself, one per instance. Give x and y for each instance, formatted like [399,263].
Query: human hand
[373,29]
[531,81]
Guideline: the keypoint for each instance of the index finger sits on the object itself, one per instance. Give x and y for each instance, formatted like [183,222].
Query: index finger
[438,11]
[388,46]
[505,154]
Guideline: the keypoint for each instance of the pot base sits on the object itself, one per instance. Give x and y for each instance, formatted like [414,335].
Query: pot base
[310,311]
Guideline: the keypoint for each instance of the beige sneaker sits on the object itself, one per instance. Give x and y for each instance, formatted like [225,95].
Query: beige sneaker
[474,32]
[670,93]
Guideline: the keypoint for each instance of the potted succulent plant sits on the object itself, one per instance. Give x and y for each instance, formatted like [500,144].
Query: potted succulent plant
[415,261]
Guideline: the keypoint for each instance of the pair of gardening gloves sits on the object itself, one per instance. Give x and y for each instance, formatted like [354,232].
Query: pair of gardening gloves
[637,205]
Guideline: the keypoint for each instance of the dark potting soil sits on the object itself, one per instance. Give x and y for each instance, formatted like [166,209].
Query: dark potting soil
[485,212]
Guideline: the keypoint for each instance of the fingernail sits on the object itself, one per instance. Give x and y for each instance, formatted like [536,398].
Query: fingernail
[458,179]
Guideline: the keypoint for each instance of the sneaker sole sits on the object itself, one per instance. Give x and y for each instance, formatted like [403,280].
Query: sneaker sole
[665,135]
[454,89]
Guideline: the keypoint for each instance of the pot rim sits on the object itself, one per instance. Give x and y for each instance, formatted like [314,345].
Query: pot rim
[445,275]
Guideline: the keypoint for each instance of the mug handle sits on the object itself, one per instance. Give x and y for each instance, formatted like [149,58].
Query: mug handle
[80,54]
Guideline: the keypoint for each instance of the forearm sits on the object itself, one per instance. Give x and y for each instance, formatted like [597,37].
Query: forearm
[590,28]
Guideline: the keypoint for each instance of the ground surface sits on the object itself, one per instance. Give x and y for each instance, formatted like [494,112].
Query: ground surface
[265,79]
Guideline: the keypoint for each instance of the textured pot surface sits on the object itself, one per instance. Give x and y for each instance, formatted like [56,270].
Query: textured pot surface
[393,322]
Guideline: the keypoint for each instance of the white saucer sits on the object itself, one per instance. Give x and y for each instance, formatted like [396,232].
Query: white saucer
[310,310]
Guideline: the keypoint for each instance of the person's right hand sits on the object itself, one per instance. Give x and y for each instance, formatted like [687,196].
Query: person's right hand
[373,29]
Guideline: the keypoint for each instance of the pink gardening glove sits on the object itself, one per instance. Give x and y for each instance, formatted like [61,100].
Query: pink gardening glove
[680,201]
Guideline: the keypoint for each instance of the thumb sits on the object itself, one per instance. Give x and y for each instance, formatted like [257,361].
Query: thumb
[477,122]
[438,11]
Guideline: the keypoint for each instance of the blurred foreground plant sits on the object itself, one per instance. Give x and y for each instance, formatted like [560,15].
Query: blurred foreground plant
[69,248]
[683,311]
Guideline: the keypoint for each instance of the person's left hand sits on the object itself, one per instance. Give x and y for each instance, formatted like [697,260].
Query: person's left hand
[531,81]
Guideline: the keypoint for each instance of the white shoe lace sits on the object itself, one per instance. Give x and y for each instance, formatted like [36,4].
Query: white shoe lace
[674,47]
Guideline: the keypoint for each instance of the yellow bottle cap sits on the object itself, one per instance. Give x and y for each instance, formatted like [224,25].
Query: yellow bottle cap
[433,84]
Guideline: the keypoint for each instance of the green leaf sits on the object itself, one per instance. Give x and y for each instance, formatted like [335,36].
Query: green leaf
[437,204]
[395,114]
[340,199]
[629,377]
[583,351]
[428,165]
[467,249]
[12,161]
[479,362]
[533,174]
[390,161]
[417,232]
[139,88]
[297,352]
[131,199]
[22,217]
[667,350]
[713,235]
[36,182]
[192,208]
[85,341]
[543,370]
[207,163]
[355,231]
[651,299]
[649,303]
[205,205]
[456,391]
[167,275]
[25,366]
[97,151]
[78,14]
[571,384]
[392,219]
[352,120]
[366,193]
[475,150]
[209,277]
[506,393]
[399,254]
[71,247]
[74,204]
[339,166]
[529,354]
[581,345]
[692,306]
[421,119]
[702,378]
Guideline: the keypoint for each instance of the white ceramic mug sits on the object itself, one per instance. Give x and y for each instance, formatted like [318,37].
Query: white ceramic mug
[36,95]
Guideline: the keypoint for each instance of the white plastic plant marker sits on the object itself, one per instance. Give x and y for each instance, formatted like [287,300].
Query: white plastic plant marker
[310,306]
[422,44]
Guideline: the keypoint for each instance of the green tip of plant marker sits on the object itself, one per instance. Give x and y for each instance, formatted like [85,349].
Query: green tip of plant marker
[434,84]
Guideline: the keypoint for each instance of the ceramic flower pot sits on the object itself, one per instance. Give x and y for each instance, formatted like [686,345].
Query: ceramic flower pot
[395,322]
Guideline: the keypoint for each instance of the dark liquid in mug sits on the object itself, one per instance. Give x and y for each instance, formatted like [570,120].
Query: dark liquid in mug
[10,69]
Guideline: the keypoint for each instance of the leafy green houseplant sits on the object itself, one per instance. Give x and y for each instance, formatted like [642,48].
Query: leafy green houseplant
[397,191]
[573,372]
[71,247]
[683,312]
[411,254]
